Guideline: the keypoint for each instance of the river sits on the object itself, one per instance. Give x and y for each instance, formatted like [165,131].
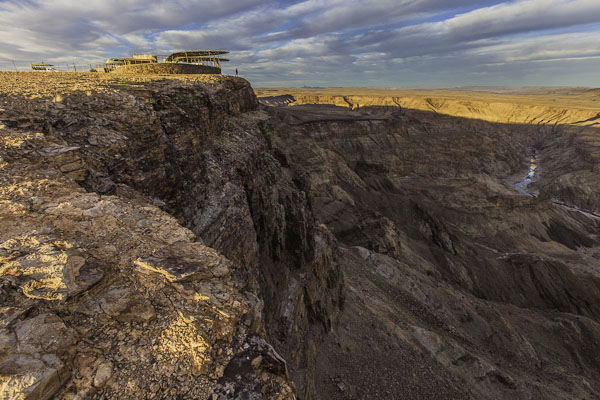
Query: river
[522,185]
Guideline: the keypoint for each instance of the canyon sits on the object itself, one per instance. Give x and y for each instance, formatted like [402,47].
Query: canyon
[177,236]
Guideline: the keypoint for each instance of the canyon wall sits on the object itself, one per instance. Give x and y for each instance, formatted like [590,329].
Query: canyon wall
[170,237]
[457,285]
[581,108]
[185,232]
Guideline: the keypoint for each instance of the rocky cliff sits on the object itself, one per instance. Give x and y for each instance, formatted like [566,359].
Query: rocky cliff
[457,285]
[577,107]
[170,238]
[152,244]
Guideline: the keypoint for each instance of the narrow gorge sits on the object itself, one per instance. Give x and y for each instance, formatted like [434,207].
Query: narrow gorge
[179,238]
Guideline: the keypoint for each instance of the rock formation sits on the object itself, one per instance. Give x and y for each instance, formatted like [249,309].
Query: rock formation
[457,286]
[112,190]
[169,238]
[165,68]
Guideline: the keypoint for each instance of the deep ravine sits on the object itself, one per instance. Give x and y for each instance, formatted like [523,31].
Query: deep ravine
[170,238]
[457,285]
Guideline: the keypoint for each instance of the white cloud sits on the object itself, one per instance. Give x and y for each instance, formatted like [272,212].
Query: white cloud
[323,41]
[550,47]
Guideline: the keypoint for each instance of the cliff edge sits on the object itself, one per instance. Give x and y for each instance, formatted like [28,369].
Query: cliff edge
[150,246]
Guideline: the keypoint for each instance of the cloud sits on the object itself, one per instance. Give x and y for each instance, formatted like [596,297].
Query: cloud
[56,27]
[390,42]
[469,29]
[340,15]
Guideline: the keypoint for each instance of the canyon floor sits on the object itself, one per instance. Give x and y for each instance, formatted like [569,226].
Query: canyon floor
[176,237]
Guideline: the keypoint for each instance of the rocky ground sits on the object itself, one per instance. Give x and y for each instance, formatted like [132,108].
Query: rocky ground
[166,237]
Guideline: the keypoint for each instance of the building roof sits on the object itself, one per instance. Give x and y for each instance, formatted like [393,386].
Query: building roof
[196,55]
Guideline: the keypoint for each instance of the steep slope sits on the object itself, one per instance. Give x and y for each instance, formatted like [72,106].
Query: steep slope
[457,285]
[150,307]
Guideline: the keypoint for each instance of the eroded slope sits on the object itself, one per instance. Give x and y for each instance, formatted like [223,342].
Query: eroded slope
[576,107]
[457,285]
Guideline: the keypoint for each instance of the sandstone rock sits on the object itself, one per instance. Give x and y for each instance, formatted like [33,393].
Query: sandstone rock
[34,369]
[7,343]
[25,378]
[103,374]
[255,373]
[43,334]
[45,268]
[181,261]
[124,304]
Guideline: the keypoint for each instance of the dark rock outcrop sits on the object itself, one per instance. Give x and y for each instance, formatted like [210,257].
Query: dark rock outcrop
[200,149]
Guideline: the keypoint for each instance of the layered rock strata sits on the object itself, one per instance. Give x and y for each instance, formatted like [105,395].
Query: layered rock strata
[458,286]
[151,244]
[167,237]
[537,107]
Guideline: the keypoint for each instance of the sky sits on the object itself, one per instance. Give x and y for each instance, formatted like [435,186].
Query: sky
[361,43]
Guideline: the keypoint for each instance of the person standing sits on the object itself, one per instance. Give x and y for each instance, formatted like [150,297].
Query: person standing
[236,72]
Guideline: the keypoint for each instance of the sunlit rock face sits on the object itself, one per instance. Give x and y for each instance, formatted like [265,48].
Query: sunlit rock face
[150,243]
[533,106]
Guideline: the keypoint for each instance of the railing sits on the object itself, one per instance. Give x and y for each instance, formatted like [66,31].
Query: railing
[60,67]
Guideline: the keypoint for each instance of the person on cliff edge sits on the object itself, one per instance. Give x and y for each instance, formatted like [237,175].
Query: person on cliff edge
[236,72]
